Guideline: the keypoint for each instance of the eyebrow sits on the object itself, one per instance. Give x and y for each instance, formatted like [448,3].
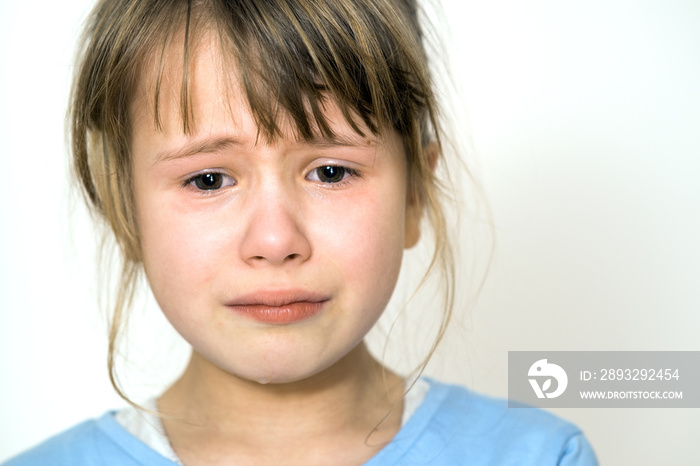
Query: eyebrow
[207,145]
[218,144]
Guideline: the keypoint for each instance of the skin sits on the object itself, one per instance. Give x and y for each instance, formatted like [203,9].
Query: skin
[306,392]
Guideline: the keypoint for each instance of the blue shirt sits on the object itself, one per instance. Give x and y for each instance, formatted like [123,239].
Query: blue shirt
[452,426]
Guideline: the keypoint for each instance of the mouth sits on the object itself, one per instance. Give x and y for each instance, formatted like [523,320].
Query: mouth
[279,306]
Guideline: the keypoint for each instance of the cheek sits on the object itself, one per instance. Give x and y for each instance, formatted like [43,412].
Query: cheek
[368,244]
[179,251]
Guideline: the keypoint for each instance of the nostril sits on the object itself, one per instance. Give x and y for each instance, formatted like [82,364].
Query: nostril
[268,242]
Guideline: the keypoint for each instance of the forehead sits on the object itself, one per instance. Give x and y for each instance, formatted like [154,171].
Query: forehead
[210,93]
[173,85]
[179,95]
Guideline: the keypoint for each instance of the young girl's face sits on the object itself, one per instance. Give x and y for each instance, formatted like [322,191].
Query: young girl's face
[272,260]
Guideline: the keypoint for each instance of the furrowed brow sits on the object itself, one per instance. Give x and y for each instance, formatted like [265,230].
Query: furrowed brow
[208,145]
[339,141]
[218,144]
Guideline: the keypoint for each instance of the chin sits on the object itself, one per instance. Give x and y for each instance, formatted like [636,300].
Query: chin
[284,371]
[280,377]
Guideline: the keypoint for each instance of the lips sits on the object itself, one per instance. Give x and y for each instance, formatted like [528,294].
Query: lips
[279,306]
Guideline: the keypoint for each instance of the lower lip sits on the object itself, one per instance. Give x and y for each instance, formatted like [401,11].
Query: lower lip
[287,314]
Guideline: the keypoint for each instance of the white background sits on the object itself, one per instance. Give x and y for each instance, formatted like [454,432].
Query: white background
[586,120]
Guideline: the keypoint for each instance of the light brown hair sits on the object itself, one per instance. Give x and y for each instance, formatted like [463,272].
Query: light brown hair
[290,55]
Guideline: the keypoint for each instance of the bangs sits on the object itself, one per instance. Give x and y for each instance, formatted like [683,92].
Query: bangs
[292,56]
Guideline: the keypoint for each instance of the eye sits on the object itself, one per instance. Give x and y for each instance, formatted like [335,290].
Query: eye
[331,174]
[210,181]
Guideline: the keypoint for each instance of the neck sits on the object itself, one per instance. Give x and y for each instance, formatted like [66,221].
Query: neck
[354,397]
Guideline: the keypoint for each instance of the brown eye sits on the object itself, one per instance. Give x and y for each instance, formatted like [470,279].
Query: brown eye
[208,181]
[333,175]
[330,174]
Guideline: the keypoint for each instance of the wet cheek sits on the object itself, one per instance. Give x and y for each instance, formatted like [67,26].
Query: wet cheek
[371,242]
[179,255]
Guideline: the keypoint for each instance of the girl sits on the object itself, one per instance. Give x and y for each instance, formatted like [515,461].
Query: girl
[265,164]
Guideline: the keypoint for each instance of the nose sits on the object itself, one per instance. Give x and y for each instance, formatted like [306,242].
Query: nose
[274,233]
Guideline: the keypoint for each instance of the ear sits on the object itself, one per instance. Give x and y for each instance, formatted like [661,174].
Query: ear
[414,207]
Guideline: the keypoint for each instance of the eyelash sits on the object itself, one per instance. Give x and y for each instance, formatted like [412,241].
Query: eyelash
[350,172]
[191,182]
